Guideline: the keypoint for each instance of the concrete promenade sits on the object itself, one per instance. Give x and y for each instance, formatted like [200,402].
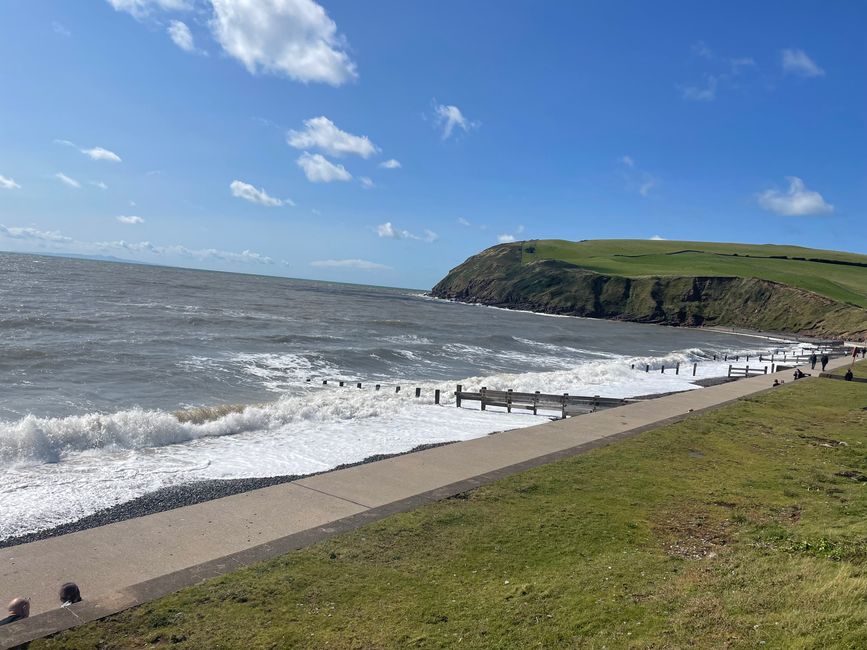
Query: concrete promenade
[131,562]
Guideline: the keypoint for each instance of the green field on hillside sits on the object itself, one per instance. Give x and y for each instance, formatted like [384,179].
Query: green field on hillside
[838,276]
[743,527]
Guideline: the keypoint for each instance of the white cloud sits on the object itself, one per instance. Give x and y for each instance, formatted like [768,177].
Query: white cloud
[797,201]
[741,62]
[66,180]
[8,183]
[319,169]
[99,184]
[628,161]
[130,219]
[505,239]
[94,153]
[646,185]
[363,265]
[464,222]
[98,153]
[449,117]
[705,93]
[33,234]
[701,49]
[366,182]
[252,194]
[390,164]
[142,8]
[321,133]
[388,231]
[60,28]
[797,62]
[295,38]
[181,35]
[656,238]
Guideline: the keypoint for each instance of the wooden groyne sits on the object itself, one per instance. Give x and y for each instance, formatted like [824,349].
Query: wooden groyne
[567,404]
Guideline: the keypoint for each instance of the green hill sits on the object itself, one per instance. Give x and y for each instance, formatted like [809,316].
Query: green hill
[775,288]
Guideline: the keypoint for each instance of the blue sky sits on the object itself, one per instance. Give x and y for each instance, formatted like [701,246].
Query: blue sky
[385,142]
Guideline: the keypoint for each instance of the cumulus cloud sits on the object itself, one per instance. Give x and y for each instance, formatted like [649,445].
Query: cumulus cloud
[797,201]
[99,184]
[798,63]
[181,35]
[319,169]
[132,219]
[366,182]
[363,265]
[98,153]
[657,238]
[7,183]
[388,231]
[292,38]
[321,133]
[66,180]
[450,117]
[390,164]
[464,222]
[142,8]
[248,192]
[50,236]
[505,238]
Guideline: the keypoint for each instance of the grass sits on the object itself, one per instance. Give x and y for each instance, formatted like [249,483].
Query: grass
[843,281]
[742,527]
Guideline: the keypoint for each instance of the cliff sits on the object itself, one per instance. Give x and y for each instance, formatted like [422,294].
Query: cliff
[500,276]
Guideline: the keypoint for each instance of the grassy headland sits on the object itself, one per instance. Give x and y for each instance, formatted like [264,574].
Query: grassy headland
[740,527]
[767,287]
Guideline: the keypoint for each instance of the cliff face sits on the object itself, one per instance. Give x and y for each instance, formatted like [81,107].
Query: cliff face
[496,277]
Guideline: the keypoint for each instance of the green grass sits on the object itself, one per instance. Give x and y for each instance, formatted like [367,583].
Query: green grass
[638,258]
[743,527]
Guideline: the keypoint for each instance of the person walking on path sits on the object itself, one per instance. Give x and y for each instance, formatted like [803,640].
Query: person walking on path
[824,361]
[813,361]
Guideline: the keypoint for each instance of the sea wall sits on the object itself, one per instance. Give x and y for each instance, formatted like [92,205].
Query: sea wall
[497,277]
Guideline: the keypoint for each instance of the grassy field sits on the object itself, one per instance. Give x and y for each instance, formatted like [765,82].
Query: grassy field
[637,258]
[743,527]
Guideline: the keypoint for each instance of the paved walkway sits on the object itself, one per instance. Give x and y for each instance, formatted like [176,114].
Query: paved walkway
[130,562]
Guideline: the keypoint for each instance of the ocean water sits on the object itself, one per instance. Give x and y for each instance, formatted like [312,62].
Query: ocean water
[97,359]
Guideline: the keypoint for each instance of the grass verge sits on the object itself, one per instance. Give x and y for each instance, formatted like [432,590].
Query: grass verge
[743,527]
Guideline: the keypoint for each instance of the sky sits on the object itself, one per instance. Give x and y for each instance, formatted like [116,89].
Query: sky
[384,143]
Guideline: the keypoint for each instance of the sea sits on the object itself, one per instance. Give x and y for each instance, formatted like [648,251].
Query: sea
[118,379]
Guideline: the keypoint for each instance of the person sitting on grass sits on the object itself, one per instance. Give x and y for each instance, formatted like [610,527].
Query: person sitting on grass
[799,374]
[19,608]
[69,594]
[848,376]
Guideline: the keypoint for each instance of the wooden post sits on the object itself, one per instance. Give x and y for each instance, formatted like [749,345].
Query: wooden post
[458,396]
[341,383]
[647,367]
[565,395]
[726,357]
[748,358]
[694,366]
[358,385]
[377,387]
[633,367]
[663,369]
[677,368]
[324,382]
[730,370]
[509,401]
[766,370]
[437,396]
[747,371]
[773,365]
[535,403]
[484,389]
[418,392]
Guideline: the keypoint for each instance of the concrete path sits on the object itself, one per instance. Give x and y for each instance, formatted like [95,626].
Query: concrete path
[130,562]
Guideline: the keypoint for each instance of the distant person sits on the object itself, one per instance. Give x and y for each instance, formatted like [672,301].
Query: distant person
[863,351]
[848,376]
[777,382]
[813,360]
[799,374]
[69,594]
[19,608]
[824,361]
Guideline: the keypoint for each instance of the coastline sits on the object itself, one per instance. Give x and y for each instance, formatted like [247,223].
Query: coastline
[187,494]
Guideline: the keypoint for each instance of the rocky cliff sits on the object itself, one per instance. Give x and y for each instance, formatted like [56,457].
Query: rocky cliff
[498,278]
